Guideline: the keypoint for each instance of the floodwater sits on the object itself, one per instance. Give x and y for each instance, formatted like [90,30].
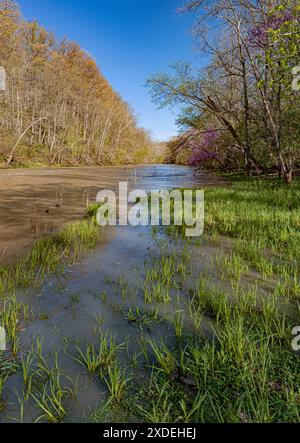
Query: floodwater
[94,294]
[37,202]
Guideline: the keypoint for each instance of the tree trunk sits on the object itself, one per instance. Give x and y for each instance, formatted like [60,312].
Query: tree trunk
[288,176]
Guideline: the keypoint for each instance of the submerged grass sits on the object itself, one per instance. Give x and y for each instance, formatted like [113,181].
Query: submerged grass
[246,371]
[97,360]
[47,255]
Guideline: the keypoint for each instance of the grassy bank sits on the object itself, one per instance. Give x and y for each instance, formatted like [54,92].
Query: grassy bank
[247,371]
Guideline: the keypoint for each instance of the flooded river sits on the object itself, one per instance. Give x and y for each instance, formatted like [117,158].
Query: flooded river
[96,294]
[34,203]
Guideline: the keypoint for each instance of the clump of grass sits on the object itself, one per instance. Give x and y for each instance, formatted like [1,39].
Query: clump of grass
[156,293]
[165,359]
[253,252]
[207,300]
[247,300]
[27,364]
[98,359]
[178,322]
[196,314]
[232,266]
[168,270]
[117,382]
[141,318]
[12,312]
[51,401]
[160,408]
[123,287]
[45,385]
[8,367]
[164,274]
[3,378]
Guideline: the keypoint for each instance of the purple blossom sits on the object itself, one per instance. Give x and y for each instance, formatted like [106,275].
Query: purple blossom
[203,149]
[200,157]
[258,36]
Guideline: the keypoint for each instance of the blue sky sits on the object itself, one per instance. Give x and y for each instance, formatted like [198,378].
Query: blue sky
[129,39]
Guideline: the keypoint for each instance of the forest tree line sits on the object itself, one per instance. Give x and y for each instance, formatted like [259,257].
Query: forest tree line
[58,109]
[242,110]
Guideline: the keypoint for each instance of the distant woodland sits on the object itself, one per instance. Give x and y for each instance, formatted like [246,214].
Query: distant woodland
[58,109]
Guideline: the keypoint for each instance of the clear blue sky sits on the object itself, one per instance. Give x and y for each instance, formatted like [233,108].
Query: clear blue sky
[129,39]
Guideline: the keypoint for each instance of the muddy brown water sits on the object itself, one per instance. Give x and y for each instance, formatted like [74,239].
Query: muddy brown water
[37,202]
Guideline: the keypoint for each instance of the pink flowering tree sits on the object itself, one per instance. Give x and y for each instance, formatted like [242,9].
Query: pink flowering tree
[201,145]
[205,148]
